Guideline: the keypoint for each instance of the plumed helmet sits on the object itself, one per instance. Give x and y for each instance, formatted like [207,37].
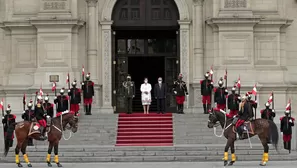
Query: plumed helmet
[287,111]
[206,74]
[267,104]
[46,98]
[129,76]
[233,89]
[74,83]
[30,104]
[8,110]
[39,97]
[180,75]
[88,75]
[62,90]
[220,82]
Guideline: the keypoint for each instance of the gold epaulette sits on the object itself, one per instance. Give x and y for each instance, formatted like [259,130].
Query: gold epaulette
[38,105]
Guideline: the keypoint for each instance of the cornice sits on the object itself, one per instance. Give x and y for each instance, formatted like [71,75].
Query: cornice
[198,2]
[92,3]
[233,20]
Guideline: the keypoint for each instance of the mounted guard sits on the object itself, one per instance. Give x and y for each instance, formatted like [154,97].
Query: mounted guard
[180,91]
[233,103]
[40,116]
[206,91]
[220,95]
[48,107]
[8,122]
[28,115]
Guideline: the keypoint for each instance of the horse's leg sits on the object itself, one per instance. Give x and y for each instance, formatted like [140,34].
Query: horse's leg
[229,141]
[56,148]
[49,152]
[265,156]
[23,149]
[17,151]
[233,156]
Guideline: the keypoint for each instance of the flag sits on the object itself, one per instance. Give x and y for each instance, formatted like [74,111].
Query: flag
[211,71]
[254,91]
[2,104]
[83,70]
[288,107]
[238,82]
[54,86]
[225,77]
[270,99]
[67,79]
[24,99]
[40,91]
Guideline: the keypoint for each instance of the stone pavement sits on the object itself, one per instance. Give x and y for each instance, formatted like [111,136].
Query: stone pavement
[284,164]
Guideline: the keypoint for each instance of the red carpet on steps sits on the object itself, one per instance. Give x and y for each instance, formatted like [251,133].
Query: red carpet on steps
[145,129]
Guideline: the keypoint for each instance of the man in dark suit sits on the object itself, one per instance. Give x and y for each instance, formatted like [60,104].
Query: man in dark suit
[160,91]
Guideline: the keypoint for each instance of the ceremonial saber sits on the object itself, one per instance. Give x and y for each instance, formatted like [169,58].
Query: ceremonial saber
[187,101]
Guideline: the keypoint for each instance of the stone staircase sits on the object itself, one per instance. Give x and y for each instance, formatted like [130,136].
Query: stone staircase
[193,141]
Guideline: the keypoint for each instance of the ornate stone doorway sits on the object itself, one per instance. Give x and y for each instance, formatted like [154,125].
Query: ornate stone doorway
[140,15]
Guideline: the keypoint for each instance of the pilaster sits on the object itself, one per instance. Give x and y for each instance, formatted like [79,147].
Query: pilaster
[197,64]
[106,67]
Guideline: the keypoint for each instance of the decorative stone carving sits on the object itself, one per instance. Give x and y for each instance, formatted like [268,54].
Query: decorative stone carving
[107,67]
[54,4]
[235,4]
[198,2]
[92,3]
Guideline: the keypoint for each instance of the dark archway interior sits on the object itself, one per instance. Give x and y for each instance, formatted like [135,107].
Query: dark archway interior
[141,67]
[145,34]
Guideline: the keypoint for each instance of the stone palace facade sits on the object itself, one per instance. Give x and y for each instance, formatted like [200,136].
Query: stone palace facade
[40,39]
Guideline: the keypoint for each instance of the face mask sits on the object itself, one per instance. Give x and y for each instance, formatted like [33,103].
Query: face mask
[145,81]
[160,81]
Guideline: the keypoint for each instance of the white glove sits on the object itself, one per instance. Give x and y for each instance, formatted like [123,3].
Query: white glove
[69,90]
[290,121]
[281,133]
[56,97]
[211,83]
[82,83]
[2,118]
[215,104]
[175,92]
[239,97]
[226,90]
[256,101]
[24,112]
[273,110]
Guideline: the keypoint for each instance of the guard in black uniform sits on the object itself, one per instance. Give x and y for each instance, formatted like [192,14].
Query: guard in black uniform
[180,91]
[206,91]
[88,93]
[75,97]
[287,122]
[267,113]
[233,103]
[129,93]
[8,120]
[62,102]
[28,115]
[220,95]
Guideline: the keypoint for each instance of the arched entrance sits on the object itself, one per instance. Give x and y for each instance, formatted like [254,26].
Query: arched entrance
[145,43]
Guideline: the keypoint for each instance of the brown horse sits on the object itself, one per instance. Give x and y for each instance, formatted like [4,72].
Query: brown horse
[265,129]
[25,130]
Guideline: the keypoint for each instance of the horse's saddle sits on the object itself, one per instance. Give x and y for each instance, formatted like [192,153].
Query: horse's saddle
[35,127]
[247,127]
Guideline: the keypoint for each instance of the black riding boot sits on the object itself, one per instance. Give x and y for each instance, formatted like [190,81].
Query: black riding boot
[204,108]
[86,109]
[30,142]
[182,108]
[208,108]
[289,146]
[90,108]
[42,137]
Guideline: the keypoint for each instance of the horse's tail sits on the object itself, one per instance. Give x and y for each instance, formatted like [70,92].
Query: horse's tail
[273,133]
[8,138]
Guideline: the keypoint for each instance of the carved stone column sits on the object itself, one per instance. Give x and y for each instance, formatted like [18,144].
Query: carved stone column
[106,67]
[198,40]
[92,41]
[185,50]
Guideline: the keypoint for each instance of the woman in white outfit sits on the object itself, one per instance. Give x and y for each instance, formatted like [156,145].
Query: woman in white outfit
[146,97]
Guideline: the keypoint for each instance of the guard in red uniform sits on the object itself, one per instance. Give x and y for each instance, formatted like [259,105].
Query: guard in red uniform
[62,102]
[88,93]
[180,91]
[75,99]
[48,107]
[267,113]
[8,120]
[220,95]
[233,103]
[206,89]
[287,122]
